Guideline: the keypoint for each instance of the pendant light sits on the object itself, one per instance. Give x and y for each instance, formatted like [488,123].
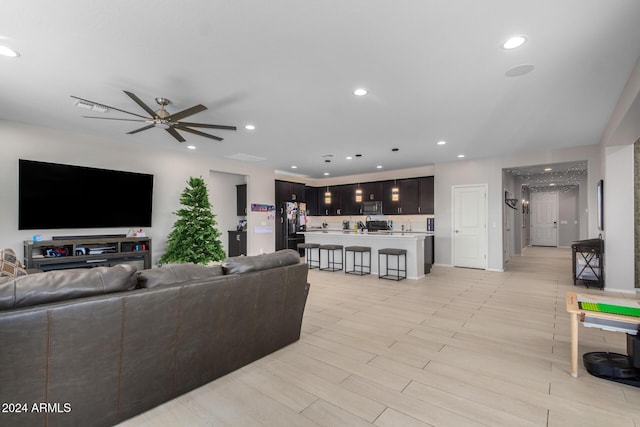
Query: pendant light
[395,192]
[358,194]
[327,197]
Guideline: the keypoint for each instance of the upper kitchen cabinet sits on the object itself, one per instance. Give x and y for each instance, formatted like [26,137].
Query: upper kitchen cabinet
[241,200]
[371,191]
[311,198]
[409,195]
[348,204]
[287,191]
[329,204]
[415,196]
[425,197]
[390,206]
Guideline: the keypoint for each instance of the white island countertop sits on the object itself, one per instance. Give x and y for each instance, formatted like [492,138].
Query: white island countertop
[413,242]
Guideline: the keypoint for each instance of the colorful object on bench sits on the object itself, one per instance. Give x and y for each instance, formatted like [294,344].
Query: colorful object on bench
[609,308]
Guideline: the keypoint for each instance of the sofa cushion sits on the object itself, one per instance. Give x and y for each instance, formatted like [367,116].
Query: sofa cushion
[9,264]
[245,264]
[175,273]
[62,285]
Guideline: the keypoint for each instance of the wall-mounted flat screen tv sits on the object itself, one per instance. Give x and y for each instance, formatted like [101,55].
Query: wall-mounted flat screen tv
[52,195]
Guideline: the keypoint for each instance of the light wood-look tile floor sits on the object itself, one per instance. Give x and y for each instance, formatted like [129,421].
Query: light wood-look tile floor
[460,347]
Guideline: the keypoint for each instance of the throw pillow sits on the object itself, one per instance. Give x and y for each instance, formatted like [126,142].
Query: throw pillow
[9,264]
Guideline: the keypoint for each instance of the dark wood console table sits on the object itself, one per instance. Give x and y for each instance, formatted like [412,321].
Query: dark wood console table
[87,252]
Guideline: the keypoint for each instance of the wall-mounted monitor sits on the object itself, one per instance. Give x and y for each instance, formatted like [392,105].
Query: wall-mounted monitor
[52,195]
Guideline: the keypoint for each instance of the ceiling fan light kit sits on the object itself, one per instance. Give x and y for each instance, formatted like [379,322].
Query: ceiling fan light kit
[159,118]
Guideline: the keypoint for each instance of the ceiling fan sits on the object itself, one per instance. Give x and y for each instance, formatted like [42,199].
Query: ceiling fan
[160,118]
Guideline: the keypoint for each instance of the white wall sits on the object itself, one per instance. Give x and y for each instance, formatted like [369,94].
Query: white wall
[489,171]
[568,217]
[171,170]
[618,219]
[223,195]
[623,130]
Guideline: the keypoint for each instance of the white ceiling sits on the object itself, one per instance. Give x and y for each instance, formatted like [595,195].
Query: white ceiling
[434,70]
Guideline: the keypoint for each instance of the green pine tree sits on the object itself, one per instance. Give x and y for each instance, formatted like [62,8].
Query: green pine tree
[194,237]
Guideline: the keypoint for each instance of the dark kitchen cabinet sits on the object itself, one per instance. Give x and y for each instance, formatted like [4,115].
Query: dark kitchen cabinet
[408,202]
[311,198]
[237,243]
[348,204]
[283,190]
[389,206]
[371,191]
[298,192]
[287,191]
[333,207]
[241,200]
[425,197]
[409,195]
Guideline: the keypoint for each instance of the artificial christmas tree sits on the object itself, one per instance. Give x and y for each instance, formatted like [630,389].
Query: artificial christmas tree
[194,237]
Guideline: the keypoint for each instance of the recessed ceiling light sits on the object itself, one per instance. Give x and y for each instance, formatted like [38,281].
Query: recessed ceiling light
[514,42]
[250,127]
[552,184]
[358,155]
[326,173]
[294,167]
[395,149]
[547,169]
[460,156]
[442,142]
[6,51]
[360,92]
[191,147]
[348,157]
[379,167]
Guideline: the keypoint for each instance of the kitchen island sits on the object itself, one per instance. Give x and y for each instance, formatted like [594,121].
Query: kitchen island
[414,243]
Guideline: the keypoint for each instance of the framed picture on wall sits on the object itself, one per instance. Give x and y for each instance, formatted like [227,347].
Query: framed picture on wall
[599,201]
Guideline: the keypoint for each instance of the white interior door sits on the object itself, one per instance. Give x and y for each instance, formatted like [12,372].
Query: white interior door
[470,226]
[544,219]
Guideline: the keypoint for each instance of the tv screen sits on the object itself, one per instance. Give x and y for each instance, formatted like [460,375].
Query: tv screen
[52,195]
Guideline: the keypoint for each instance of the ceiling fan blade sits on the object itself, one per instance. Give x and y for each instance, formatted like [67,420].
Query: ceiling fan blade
[113,118]
[197,132]
[188,112]
[108,106]
[144,106]
[175,134]
[204,125]
[139,130]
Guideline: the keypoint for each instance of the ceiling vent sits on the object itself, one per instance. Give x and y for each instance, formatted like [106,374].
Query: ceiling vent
[91,106]
[245,157]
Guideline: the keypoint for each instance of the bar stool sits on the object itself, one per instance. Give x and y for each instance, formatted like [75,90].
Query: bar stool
[400,273]
[308,254]
[361,250]
[332,264]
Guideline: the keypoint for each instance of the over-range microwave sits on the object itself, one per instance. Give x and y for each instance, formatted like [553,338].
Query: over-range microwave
[372,208]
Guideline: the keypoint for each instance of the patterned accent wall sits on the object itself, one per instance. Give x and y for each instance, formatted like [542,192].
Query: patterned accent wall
[636,208]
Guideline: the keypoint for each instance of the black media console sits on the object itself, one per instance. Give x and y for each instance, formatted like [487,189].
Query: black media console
[87,252]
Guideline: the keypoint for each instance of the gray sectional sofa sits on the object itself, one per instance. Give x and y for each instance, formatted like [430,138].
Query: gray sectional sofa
[95,347]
